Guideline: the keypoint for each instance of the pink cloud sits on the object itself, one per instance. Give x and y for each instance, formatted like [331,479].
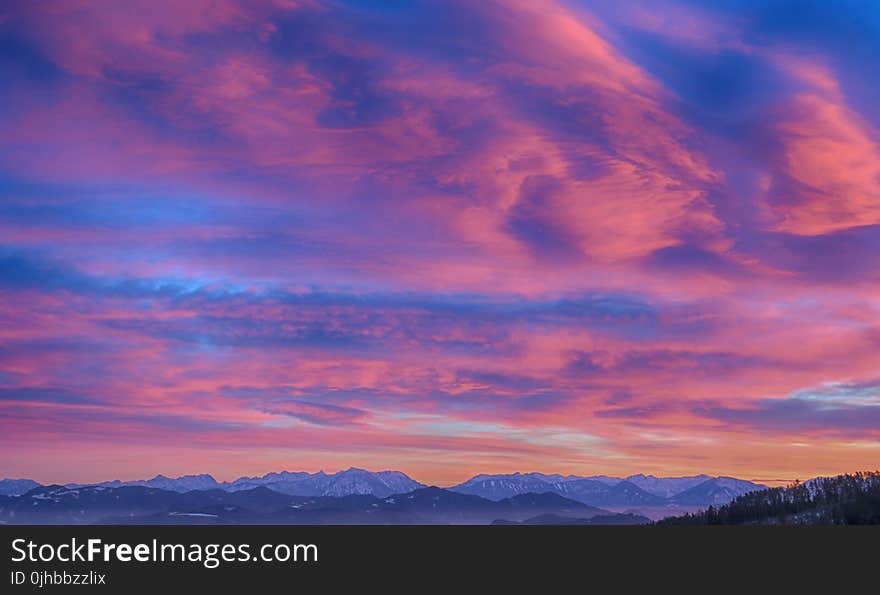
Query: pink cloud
[232,231]
[835,155]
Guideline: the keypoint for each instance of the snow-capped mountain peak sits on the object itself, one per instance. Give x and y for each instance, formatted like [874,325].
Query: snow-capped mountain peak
[666,487]
[602,490]
[637,490]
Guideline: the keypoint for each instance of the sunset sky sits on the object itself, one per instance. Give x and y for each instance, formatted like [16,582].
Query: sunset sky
[440,237]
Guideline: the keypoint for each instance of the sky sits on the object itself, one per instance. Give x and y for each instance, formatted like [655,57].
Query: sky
[442,237]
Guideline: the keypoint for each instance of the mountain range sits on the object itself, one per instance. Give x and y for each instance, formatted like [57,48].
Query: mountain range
[641,495]
[845,499]
[344,483]
[634,491]
[16,487]
[648,495]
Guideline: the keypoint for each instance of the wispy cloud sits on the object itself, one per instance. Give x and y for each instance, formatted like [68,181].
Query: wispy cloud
[605,235]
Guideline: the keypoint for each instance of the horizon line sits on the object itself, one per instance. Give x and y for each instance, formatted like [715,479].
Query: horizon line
[414,478]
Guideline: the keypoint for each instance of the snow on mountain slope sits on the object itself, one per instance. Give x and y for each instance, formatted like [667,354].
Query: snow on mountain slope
[634,491]
[184,483]
[399,482]
[715,491]
[581,489]
[601,478]
[498,487]
[344,483]
[666,487]
[600,490]
[248,483]
[16,487]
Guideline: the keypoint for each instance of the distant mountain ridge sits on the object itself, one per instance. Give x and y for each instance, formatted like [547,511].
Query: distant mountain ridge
[16,487]
[300,483]
[343,498]
[633,492]
[184,483]
[667,487]
[343,483]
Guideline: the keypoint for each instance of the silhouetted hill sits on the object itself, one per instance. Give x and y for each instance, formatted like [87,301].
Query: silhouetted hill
[144,505]
[603,519]
[852,499]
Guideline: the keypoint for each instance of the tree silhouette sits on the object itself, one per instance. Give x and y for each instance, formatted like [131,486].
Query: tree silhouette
[851,499]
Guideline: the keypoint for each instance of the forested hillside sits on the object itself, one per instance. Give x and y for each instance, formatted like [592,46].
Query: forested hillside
[851,499]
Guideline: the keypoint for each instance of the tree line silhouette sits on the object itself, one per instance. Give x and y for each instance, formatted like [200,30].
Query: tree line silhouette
[850,499]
